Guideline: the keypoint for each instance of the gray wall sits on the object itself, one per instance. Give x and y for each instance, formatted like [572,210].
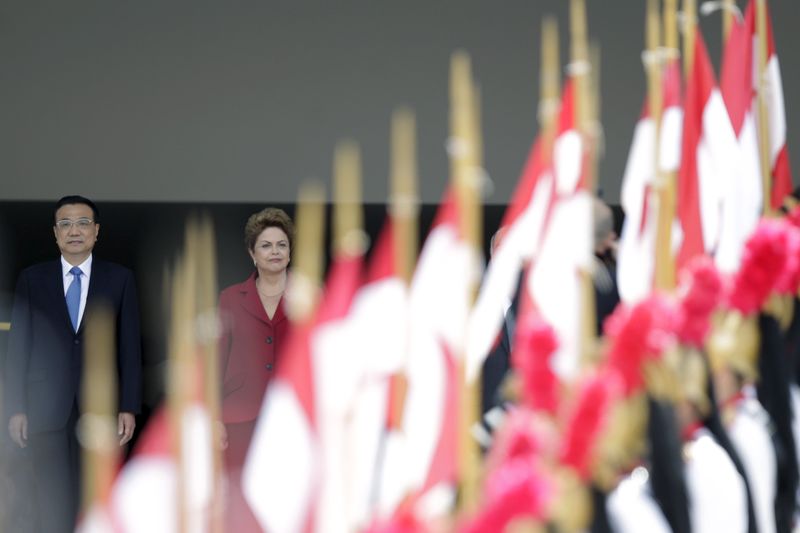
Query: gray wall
[157,100]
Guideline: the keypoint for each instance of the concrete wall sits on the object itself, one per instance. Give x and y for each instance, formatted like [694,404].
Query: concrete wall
[238,101]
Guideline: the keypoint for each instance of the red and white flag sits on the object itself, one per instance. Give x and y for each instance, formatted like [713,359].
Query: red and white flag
[294,458]
[554,280]
[149,480]
[380,346]
[776,112]
[439,307]
[356,351]
[743,198]
[639,196]
[280,477]
[637,243]
[523,226]
[710,161]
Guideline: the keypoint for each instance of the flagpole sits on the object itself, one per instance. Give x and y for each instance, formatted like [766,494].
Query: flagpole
[689,25]
[580,65]
[665,184]
[404,199]
[206,260]
[596,127]
[581,74]
[348,215]
[303,293]
[98,424]
[728,14]
[671,33]
[550,90]
[404,207]
[179,374]
[763,110]
[464,160]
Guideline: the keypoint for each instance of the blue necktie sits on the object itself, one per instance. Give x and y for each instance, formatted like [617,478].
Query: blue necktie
[74,296]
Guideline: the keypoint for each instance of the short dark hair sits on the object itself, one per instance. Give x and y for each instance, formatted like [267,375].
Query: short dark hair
[75,199]
[271,217]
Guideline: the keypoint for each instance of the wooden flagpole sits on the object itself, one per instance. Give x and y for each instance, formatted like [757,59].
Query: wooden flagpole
[728,14]
[303,293]
[581,76]
[180,373]
[348,216]
[550,87]
[98,423]
[689,28]
[404,202]
[595,122]
[763,109]
[664,277]
[464,158]
[403,210]
[205,258]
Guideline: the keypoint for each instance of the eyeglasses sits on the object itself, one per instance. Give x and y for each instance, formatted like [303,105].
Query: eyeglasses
[81,223]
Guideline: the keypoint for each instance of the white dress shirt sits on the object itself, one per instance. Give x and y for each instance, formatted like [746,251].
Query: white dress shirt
[67,278]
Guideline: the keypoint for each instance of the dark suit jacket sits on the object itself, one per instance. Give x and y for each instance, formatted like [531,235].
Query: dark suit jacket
[45,355]
[249,347]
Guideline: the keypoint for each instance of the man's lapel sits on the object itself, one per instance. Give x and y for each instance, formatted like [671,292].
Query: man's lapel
[55,288]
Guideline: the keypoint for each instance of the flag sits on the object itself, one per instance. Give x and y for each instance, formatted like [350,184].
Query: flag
[149,480]
[380,323]
[710,162]
[294,456]
[438,306]
[636,253]
[554,280]
[280,472]
[336,371]
[776,114]
[743,198]
[523,226]
[639,195]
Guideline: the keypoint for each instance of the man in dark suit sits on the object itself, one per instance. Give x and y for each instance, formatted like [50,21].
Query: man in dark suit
[44,364]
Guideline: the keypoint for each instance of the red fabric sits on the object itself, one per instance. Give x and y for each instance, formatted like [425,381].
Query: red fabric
[781,171]
[523,194]
[672,85]
[781,178]
[700,84]
[444,466]
[248,360]
[689,431]
[736,76]
[238,516]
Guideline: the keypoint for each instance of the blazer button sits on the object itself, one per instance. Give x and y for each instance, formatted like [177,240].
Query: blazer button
[269,340]
[269,366]
[77,341]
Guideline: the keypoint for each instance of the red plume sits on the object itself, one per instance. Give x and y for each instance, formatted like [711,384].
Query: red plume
[587,421]
[514,439]
[763,262]
[515,490]
[701,288]
[535,341]
[636,334]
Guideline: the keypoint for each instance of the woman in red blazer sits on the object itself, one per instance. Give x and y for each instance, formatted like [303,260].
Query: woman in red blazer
[254,329]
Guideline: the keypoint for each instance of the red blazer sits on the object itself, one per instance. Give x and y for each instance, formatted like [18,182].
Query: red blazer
[249,346]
